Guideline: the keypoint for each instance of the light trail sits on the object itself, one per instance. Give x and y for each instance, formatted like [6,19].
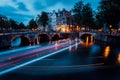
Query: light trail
[63,67]
[31,55]
[20,49]
[34,60]
[31,51]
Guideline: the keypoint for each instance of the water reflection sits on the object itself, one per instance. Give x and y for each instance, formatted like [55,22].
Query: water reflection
[70,47]
[89,41]
[106,51]
[95,49]
[56,45]
[16,42]
[118,59]
[76,43]
[92,39]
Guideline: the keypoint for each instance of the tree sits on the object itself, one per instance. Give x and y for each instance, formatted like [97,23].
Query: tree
[32,24]
[13,24]
[87,16]
[4,23]
[22,26]
[43,19]
[83,14]
[77,13]
[109,12]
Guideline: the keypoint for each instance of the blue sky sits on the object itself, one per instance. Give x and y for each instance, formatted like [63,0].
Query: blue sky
[24,10]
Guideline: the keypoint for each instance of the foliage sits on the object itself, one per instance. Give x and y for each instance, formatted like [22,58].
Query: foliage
[83,14]
[13,24]
[87,16]
[4,23]
[32,24]
[77,12]
[109,13]
[43,19]
[22,26]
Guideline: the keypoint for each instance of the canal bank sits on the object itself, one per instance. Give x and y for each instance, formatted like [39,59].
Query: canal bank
[113,39]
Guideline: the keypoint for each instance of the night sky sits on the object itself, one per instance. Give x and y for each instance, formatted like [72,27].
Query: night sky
[24,10]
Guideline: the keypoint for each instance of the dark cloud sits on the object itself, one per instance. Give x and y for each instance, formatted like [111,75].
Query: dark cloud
[10,12]
[7,10]
[52,2]
[38,5]
[14,0]
[69,2]
[22,6]
[21,17]
[65,2]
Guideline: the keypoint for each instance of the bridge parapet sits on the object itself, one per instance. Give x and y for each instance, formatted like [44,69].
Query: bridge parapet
[34,37]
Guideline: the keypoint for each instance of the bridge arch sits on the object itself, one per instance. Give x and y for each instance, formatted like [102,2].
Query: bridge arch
[20,40]
[87,36]
[41,38]
[44,37]
[83,33]
[55,36]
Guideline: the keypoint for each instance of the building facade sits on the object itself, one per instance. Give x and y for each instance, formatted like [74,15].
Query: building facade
[64,20]
[58,19]
[52,20]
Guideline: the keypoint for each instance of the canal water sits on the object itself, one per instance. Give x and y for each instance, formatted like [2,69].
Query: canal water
[94,60]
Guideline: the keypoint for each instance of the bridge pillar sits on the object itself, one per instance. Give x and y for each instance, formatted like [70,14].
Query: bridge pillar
[38,40]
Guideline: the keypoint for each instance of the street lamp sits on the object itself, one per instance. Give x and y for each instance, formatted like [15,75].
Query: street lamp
[118,29]
[110,26]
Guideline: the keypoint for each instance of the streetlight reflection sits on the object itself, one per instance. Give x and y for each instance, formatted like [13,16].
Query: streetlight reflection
[76,43]
[70,47]
[76,46]
[106,51]
[118,59]
[56,45]
[88,43]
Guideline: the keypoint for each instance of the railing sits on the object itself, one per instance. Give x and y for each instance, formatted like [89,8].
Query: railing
[50,32]
[104,33]
[14,32]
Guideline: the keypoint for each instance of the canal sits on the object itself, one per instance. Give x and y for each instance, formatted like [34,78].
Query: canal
[87,61]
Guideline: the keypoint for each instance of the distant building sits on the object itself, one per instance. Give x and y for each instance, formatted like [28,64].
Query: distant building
[63,17]
[64,20]
[52,20]
[58,19]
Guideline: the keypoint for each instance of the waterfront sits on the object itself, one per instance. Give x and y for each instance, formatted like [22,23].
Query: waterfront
[52,40]
[100,60]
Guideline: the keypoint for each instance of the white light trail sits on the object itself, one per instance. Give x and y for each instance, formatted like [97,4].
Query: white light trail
[34,60]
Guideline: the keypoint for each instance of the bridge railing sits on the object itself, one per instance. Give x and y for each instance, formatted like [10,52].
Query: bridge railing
[104,33]
[17,32]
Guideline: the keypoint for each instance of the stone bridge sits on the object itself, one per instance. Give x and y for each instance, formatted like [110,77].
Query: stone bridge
[35,38]
[87,33]
[30,38]
[114,39]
